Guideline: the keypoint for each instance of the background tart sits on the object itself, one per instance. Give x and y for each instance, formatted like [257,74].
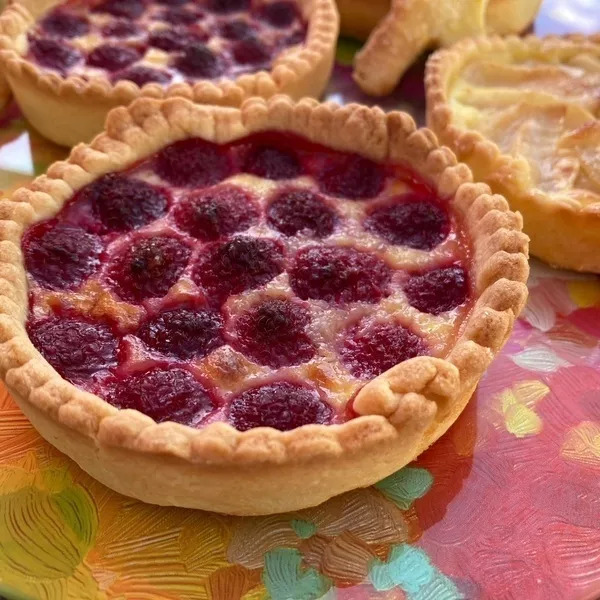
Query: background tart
[523,113]
[218,300]
[69,63]
[412,26]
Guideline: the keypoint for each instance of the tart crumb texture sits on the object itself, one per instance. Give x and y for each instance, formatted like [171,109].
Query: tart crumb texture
[524,114]
[259,308]
[69,62]
[410,27]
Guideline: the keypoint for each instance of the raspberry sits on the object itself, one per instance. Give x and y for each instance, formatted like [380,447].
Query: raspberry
[279,14]
[240,264]
[237,29]
[251,51]
[282,405]
[142,75]
[123,203]
[216,212]
[199,61]
[274,334]
[228,6]
[164,395]
[372,348]
[130,9]
[193,163]
[148,268]
[179,16]
[183,333]
[53,54]
[111,57]
[62,24]
[74,347]
[351,176]
[339,275]
[438,291]
[167,39]
[408,221]
[120,29]
[60,256]
[301,211]
[272,163]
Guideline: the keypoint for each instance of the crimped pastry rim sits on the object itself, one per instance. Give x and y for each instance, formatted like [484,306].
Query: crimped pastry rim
[445,64]
[405,398]
[289,66]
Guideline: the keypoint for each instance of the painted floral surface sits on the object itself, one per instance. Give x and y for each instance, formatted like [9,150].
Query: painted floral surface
[505,506]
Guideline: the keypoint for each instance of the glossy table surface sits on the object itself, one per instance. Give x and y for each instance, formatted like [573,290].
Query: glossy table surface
[505,506]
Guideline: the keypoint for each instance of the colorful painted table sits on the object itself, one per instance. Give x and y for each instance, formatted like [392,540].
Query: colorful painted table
[506,506]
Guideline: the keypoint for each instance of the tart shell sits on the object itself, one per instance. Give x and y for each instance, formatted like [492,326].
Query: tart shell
[262,470]
[412,26]
[358,18]
[563,232]
[69,110]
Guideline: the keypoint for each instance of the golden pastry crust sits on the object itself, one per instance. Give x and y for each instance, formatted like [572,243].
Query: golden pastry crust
[412,26]
[554,183]
[263,470]
[358,18]
[69,110]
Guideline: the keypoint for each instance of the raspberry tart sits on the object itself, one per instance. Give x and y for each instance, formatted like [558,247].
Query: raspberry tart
[69,62]
[410,27]
[523,113]
[250,311]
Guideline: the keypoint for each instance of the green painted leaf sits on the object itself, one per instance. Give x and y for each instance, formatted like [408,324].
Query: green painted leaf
[285,579]
[410,569]
[405,486]
[439,588]
[78,511]
[407,567]
[303,529]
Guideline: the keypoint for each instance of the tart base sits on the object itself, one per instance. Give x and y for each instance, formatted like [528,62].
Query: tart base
[62,118]
[238,490]
[559,235]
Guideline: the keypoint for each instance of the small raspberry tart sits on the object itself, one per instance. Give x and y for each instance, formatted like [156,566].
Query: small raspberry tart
[250,311]
[524,114]
[69,62]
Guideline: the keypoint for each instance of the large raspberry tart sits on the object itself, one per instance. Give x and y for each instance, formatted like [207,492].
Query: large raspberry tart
[524,114]
[69,62]
[411,27]
[250,311]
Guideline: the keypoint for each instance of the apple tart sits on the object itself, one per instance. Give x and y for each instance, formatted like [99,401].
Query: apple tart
[523,113]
